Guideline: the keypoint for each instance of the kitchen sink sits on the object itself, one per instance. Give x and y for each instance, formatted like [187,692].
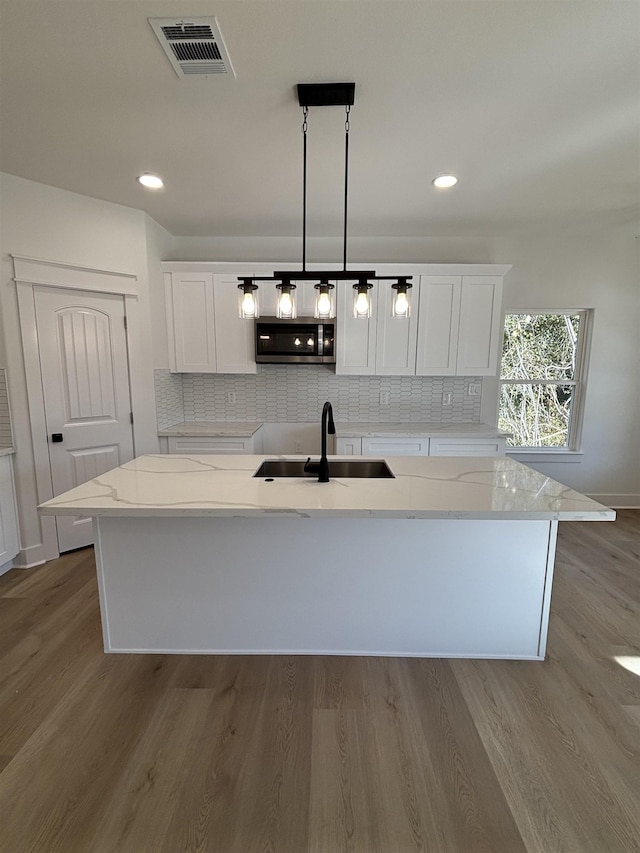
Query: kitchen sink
[369,468]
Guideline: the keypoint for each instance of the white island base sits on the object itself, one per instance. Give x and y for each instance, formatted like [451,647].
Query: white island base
[290,585]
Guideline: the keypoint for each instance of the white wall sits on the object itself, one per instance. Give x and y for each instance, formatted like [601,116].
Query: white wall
[600,271]
[44,222]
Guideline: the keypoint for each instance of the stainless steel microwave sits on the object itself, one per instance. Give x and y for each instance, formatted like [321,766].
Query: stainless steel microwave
[304,340]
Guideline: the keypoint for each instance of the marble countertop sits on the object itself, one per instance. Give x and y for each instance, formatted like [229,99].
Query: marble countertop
[423,487]
[6,451]
[213,429]
[450,430]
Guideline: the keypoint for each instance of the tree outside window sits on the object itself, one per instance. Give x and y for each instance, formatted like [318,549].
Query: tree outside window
[541,381]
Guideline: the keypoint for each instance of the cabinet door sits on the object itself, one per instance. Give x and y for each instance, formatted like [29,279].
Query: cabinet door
[349,446]
[193,322]
[438,316]
[479,326]
[396,337]
[355,338]
[304,293]
[406,445]
[234,337]
[9,544]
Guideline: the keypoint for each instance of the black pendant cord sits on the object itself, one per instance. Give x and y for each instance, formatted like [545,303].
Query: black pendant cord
[346,185]
[304,190]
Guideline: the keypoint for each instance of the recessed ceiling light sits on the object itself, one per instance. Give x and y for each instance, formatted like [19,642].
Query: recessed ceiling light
[444,182]
[151,182]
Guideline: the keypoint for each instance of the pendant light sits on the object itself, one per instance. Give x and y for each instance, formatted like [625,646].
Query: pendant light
[325,95]
[401,303]
[325,307]
[248,299]
[286,309]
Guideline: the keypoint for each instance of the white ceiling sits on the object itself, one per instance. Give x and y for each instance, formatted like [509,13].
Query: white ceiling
[535,104]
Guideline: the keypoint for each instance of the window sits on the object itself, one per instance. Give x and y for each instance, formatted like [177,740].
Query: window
[542,378]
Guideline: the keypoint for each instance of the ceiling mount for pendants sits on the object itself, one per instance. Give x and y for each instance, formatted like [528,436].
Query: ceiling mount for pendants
[326,94]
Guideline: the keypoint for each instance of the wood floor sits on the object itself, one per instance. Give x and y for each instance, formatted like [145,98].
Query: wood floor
[133,753]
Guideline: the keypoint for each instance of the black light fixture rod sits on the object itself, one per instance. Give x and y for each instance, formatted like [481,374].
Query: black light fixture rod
[347,109]
[305,111]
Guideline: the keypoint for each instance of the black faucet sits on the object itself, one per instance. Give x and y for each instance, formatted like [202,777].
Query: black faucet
[321,468]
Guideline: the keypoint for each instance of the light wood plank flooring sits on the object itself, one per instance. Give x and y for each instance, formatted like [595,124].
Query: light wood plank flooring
[129,754]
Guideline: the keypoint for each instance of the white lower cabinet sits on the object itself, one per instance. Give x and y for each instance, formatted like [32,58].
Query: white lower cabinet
[419,445]
[216,444]
[349,446]
[9,539]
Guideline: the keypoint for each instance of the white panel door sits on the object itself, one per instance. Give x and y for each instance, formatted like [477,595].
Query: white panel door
[85,380]
[479,328]
[438,318]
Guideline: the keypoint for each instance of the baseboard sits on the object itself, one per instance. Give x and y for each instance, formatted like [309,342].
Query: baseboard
[29,557]
[618,501]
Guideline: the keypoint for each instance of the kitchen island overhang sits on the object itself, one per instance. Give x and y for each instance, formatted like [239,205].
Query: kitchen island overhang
[451,558]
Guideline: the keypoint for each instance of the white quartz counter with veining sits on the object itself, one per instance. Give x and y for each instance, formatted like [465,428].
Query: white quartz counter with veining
[450,430]
[423,487]
[212,429]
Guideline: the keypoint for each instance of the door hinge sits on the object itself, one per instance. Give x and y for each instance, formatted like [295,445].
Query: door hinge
[131,416]
[125,322]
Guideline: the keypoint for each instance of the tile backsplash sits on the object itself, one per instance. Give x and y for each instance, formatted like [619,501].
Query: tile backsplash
[288,393]
[6,434]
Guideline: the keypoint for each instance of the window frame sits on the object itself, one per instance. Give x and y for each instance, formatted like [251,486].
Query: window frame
[571,451]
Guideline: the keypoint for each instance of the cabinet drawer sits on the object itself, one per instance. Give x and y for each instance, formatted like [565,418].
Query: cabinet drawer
[404,446]
[467,447]
[228,445]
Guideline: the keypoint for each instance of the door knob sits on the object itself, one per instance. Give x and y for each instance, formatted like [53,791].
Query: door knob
[56,436]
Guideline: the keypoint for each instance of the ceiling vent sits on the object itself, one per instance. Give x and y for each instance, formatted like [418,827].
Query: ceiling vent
[194,45]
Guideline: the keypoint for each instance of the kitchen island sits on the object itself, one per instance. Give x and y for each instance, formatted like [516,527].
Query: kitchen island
[453,557]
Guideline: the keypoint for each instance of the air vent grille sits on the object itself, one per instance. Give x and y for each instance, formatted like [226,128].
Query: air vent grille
[194,46]
[188,31]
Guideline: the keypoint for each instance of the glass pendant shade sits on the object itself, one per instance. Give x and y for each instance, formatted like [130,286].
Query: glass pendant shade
[248,301]
[401,305]
[362,301]
[286,309]
[325,307]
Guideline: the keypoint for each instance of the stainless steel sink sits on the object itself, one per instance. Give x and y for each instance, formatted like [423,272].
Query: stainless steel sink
[370,468]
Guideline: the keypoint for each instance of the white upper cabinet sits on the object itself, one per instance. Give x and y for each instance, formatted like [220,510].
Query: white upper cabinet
[438,325]
[454,327]
[381,345]
[234,337]
[355,338]
[205,331]
[479,326]
[192,329]
[459,325]
[305,296]
[396,337]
